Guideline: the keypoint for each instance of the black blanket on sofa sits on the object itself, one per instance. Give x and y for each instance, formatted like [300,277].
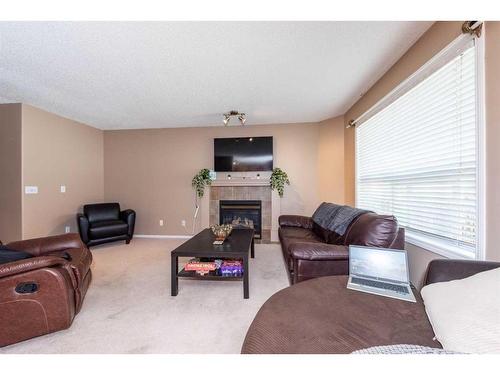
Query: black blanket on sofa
[336,218]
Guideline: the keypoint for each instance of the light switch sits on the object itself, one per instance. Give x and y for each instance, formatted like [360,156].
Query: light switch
[31,190]
[63,188]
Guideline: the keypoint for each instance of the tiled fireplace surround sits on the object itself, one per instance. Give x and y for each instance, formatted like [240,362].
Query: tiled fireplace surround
[262,193]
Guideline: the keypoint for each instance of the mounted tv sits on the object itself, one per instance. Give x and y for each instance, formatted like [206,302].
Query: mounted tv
[251,154]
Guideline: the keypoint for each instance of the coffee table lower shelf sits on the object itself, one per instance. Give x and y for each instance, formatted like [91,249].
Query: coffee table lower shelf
[209,276]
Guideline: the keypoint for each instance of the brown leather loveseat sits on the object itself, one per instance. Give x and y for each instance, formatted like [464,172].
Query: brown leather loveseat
[42,294]
[311,250]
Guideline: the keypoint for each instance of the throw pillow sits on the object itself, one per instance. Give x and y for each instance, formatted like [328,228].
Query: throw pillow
[465,314]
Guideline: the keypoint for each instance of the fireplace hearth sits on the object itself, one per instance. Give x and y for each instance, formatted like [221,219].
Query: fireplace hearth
[242,213]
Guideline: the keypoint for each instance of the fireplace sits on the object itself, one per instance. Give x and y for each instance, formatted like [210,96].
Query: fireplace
[242,213]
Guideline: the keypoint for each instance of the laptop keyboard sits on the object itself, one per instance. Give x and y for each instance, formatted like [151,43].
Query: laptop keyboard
[381,285]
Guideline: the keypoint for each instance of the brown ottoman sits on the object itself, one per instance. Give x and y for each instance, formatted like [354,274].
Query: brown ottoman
[323,316]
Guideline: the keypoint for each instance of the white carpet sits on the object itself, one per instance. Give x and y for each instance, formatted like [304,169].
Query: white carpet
[128,308]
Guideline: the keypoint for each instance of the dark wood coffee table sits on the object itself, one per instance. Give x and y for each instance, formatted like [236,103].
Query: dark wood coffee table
[236,246]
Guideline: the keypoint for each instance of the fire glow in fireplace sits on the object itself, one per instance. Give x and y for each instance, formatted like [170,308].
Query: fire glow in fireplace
[242,213]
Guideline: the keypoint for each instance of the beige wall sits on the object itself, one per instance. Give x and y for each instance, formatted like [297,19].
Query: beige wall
[151,170]
[435,39]
[331,160]
[148,170]
[57,151]
[492,78]
[10,173]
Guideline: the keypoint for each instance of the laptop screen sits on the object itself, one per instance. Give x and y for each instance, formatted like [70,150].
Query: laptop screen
[378,263]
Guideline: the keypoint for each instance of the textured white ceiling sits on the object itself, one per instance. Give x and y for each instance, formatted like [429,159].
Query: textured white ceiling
[117,75]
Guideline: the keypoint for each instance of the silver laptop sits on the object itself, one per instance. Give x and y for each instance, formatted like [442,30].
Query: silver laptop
[380,271]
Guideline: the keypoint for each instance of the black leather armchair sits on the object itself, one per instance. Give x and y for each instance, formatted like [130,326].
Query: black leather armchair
[104,222]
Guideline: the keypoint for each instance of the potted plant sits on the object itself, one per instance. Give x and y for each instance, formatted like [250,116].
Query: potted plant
[200,181]
[278,180]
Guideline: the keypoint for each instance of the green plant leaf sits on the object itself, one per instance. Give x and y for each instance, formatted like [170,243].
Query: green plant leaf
[200,181]
[278,180]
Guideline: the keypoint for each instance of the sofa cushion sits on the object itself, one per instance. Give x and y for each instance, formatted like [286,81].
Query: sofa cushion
[371,229]
[465,314]
[108,228]
[295,232]
[102,211]
[295,221]
[8,255]
[318,251]
[322,233]
[287,241]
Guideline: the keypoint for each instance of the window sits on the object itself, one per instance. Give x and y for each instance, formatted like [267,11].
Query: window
[418,158]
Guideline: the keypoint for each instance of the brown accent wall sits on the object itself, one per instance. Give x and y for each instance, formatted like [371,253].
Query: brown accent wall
[57,151]
[151,170]
[10,173]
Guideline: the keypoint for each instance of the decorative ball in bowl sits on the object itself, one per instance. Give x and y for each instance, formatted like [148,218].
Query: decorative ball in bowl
[221,231]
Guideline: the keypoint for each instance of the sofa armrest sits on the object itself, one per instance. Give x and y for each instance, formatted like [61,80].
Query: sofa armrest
[83,227]
[46,245]
[129,217]
[440,270]
[30,264]
[318,251]
[295,221]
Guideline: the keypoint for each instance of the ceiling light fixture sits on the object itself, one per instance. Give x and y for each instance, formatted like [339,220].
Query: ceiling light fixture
[233,113]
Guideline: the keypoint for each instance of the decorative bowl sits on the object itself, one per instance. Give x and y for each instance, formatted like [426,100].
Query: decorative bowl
[221,231]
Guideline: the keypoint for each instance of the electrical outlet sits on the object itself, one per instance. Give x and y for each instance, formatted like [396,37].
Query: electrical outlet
[31,190]
[63,188]
[161,223]
[183,223]
[67,229]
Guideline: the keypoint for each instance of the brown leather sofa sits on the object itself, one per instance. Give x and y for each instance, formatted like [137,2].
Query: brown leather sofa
[43,294]
[311,251]
[322,316]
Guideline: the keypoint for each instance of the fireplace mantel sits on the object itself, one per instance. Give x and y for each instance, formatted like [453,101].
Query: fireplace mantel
[241,182]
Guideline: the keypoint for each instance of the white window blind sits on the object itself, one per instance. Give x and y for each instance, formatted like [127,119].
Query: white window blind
[417,158]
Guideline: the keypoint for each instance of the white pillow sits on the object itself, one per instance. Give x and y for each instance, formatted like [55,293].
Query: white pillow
[465,314]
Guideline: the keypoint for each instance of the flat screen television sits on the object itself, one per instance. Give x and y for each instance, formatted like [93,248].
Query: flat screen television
[251,154]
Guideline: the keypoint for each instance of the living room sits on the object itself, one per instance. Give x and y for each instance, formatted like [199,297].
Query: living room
[235,151]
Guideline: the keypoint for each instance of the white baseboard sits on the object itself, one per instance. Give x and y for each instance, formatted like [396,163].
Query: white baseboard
[162,236]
